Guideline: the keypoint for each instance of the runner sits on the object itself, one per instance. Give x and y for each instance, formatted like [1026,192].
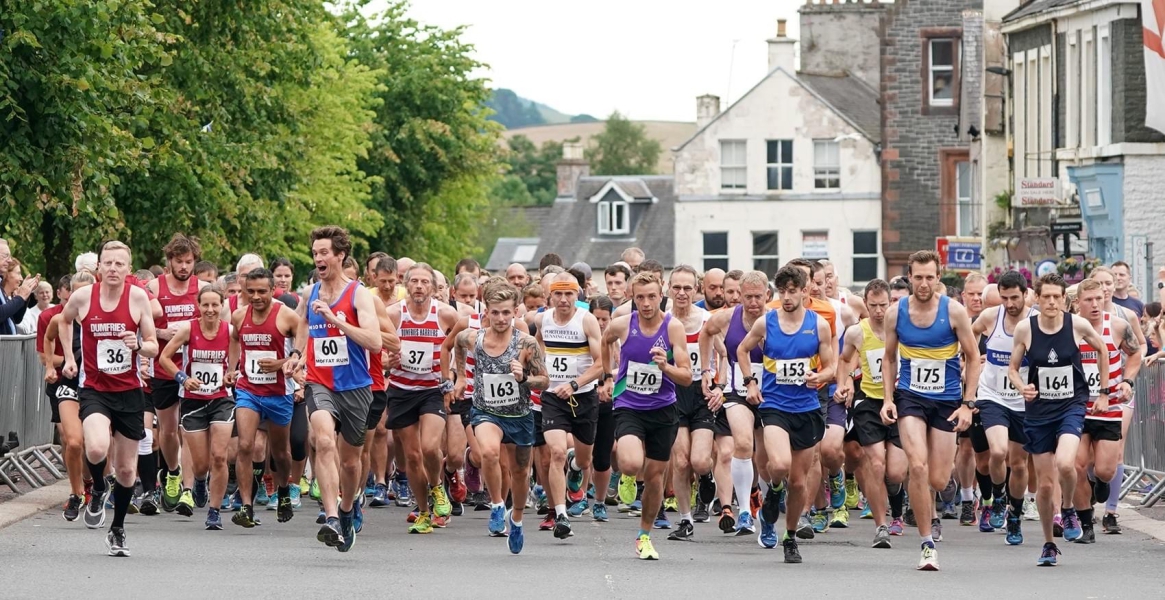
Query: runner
[930,330]
[883,462]
[208,411]
[116,326]
[787,395]
[732,291]
[338,326]
[712,287]
[570,338]
[601,308]
[1056,390]
[616,277]
[972,458]
[653,360]
[1123,280]
[1001,408]
[517,276]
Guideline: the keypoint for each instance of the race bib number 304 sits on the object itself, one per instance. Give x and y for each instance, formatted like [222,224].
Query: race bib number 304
[928,376]
[211,376]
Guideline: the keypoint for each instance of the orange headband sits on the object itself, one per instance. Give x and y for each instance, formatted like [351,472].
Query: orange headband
[564,286]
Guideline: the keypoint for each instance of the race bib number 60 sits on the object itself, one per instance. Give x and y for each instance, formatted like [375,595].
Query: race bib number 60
[330,351]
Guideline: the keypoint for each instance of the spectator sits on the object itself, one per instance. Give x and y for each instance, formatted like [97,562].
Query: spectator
[15,291]
[44,301]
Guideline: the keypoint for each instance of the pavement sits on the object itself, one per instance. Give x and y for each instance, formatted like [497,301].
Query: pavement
[43,556]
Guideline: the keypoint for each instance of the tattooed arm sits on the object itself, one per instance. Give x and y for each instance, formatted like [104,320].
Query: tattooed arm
[534,362]
[462,346]
[1131,345]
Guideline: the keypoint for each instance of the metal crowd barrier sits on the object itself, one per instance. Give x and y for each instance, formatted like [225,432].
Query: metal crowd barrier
[24,410]
[1144,459]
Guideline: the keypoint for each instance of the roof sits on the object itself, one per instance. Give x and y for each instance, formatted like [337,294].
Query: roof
[1035,7]
[513,250]
[853,99]
[529,220]
[570,229]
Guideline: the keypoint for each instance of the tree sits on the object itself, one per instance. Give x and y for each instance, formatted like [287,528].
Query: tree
[623,148]
[537,169]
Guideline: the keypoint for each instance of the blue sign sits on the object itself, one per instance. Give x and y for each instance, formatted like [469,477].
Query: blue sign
[964,256]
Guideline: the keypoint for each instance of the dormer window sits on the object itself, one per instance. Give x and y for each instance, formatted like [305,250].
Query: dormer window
[613,218]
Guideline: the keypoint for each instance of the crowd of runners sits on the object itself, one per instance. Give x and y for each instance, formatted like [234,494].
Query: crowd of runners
[770,405]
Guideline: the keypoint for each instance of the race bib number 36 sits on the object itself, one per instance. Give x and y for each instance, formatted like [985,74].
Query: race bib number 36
[416,357]
[113,357]
[331,351]
[1056,383]
[251,366]
[928,376]
[643,378]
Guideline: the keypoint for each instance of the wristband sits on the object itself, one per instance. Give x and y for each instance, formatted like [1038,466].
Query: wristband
[446,386]
[605,377]
[181,378]
[526,377]
[294,352]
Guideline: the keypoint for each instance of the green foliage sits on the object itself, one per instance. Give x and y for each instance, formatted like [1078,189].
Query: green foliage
[583,118]
[513,111]
[623,148]
[535,167]
[1003,201]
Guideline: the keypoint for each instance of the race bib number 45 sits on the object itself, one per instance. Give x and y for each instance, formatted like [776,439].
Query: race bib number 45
[562,368]
[928,376]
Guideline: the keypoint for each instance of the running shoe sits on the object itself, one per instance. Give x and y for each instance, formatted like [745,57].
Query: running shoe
[1088,535]
[261,497]
[517,537]
[273,501]
[881,537]
[213,519]
[1048,555]
[1072,527]
[148,503]
[72,507]
[413,514]
[379,496]
[928,561]
[497,521]
[1058,526]
[331,534]
[404,494]
[322,517]
[627,489]
[1014,532]
[837,490]
[304,484]
[185,504]
[599,513]
[852,496]
[820,521]
[132,509]
[95,510]
[771,507]
[727,522]
[286,509]
[457,510]
[314,489]
[171,490]
[1030,510]
[423,524]
[985,517]
[754,502]
[936,529]
[246,517]
[867,513]
[661,520]
[441,522]
[370,485]
[439,501]
[542,500]
[897,527]
[908,517]
[574,477]
[562,527]
[998,512]
[578,509]
[840,518]
[805,528]
[115,541]
[237,501]
[767,538]
[547,523]
[201,493]
[226,500]
[700,513]
[472,474]
[348,527]
[457,489]
[670,504]
[949,511]
[967,514]
[480,501]
[683,533]
[792,554]
[644,550]
[636,508]
[1110,524]
[745,525]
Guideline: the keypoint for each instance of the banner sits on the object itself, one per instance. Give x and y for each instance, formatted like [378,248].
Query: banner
[1153,21]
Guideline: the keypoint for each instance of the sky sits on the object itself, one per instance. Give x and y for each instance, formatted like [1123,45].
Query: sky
[648,59]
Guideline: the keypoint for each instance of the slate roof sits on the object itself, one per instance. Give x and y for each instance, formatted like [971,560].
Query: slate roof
[1036,7]
[854,99]
[571,229]
[508,250]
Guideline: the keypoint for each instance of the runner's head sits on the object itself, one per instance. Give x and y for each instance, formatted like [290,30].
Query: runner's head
[501,304]
[85,262]
[651,266]
[370,266]
[973,287]
[732,289]
[1090,300]
[1012,291]
[616,277]
[814,276]
[65,288]
[517,276]
[753,292]
[467,265]
[534,297]
[442,291]
[210,301]
[283,273]
[420,282]
[385,277]
[683,285]
[633,257]
[351,268]
[899,288]
[330,245]
[403,264]
[465,288]
[1050,290]
[830,287]
[181,254]
[259,288]
[549,259]
[877,299]
[233,285]
[1107,280]
[646,292]
[924,274]
[114,262]
[247,263]
[204,270]
[791,282]
[564,290]
[80,280]
[602,308]
[1122,276]
[714,289]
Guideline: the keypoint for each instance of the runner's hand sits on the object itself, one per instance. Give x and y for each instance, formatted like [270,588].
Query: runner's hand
[192,384]
[230,378]
[271,365]
[130,339]
[658,356]
[605,391]
[1029,392]
[562,390]
[1101,404]
[889,413]
[961,418]
[70,370]
[322,309]
[715,400]
[516,369]
[50,375]
[706,383]
[753,395]
[845,391]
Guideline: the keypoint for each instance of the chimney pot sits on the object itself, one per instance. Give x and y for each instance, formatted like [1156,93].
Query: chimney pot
[572,166]
[707,107]
[780,28]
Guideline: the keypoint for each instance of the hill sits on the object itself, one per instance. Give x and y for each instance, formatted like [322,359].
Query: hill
[514,111]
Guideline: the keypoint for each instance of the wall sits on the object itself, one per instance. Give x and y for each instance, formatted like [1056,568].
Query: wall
[841,37]
[1128,86]
[1144,179]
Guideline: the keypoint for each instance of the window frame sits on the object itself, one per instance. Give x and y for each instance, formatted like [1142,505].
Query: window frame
[814,233]
[855,255]
[967,201]
[705,257]
[938,34]
[742,167]
[822,173]
[783,162]
[776,258]
[608,208]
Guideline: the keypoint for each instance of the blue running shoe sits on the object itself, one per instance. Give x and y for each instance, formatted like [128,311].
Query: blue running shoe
[837,490]
[867,513]
[636,508]
[985,518]
[577,509]
[201,493]
[744,524]
[358,515]
[295,501]
[370,485]
[599,512]
[517,538]
[661,520]
[213,520]
[1014,533]
[497,521]
[1048,555]
[1072,529]
[322,518]
[379,496]
[404,495]
[998,512]
[574,477]
[237,502]
[226,502]
[348,528]
[261,495]
[767,538]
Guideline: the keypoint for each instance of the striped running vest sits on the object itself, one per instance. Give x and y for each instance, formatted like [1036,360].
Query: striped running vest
[1088,358]
[420,351]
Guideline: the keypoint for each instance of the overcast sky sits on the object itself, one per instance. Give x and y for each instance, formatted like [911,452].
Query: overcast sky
[649,59]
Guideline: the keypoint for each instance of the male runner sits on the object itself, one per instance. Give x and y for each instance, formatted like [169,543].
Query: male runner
[570,407]
[616,277]
[712,287]
[732,289]
[791,339]
[1123,277]
[653,360]
[338,326]
[972,456]
[1056,390]
[921,383]
[517,276]
[116,326]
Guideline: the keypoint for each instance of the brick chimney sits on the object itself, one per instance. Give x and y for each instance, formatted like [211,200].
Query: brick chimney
[707,107]
[572,166]
[781,50]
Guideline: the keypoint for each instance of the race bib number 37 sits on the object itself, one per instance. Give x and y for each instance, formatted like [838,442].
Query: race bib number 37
[416,357]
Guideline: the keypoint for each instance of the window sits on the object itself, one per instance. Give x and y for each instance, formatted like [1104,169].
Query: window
[942,72]
[1104,89]
[715,250]
[525,253]
[966,221]
[815,245]
[765,252]
[613,218]
[865,256]
[779,159]
[826,165]
[732,165]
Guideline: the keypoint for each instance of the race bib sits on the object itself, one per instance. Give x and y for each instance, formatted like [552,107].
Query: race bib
[113,357]
[562,368]
[694,354]
[1092,374]
[251,367]
[501,391]
[416,357]
[65,392]
[738,377]
[210,374]
[928,376]
[792,372]
[643,378]
[1005,388]
[1056,383]
[331,351]
[874,359]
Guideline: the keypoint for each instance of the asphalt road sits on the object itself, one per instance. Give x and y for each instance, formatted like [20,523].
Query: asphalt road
[47,557]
